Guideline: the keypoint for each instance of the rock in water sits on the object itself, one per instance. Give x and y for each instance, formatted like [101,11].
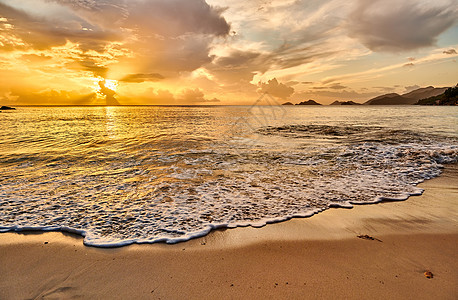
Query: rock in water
[6,108]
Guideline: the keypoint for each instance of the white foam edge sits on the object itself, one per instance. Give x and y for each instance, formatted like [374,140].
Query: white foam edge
[106,243]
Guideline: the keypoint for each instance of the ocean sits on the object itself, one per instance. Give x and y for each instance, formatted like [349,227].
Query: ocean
[146,174]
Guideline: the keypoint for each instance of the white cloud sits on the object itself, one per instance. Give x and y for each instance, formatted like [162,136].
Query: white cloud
[276,89]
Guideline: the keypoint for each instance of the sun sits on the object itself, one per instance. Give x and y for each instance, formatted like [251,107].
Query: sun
[111,84]
[108,83]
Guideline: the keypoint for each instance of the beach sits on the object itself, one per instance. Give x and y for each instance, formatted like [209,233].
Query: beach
[317,257]
[219,149]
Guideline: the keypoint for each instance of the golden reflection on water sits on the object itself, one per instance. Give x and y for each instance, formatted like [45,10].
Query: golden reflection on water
[111,121]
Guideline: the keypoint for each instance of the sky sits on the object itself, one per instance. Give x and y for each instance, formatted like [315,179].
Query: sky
[222,52]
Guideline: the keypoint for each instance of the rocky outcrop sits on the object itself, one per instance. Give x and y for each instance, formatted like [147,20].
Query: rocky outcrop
[6,108]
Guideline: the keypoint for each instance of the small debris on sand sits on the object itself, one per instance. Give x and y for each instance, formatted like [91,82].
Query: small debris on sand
[428,274]
[368,237]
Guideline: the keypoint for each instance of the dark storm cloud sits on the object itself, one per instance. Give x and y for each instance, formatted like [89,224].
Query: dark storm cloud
[394,26]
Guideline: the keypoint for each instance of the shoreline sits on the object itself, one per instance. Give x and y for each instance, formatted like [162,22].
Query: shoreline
[199,235]
[316,257]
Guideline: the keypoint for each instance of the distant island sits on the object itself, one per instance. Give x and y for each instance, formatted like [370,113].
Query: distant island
[423,96]
[406,99]
[309,102]
[449,97]
[344,103]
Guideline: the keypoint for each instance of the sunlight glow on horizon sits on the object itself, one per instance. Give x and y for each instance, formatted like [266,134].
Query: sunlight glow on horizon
[57,52]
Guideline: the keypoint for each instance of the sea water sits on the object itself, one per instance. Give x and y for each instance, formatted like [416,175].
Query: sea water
[122,175]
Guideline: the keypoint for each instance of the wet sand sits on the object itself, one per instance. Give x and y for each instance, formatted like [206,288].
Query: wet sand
[317,257]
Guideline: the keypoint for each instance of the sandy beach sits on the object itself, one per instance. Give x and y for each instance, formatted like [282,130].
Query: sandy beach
[317,257]
[215,149]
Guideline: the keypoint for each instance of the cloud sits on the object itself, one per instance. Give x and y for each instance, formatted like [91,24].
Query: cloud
[276,89]
[53,97]
[408,65]
[175,18]
[172,36]
[167,36]
[138,78]
[450,51]
[410,88]
[337,86]
[237,66]
[280,46]
[194,96]
[385,88]
[395,26]
[42,24]
[165,97]
[152,96]
[92,66]
[292,83]
[34,58]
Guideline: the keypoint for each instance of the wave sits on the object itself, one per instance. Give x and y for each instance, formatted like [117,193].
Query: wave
[173,196]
